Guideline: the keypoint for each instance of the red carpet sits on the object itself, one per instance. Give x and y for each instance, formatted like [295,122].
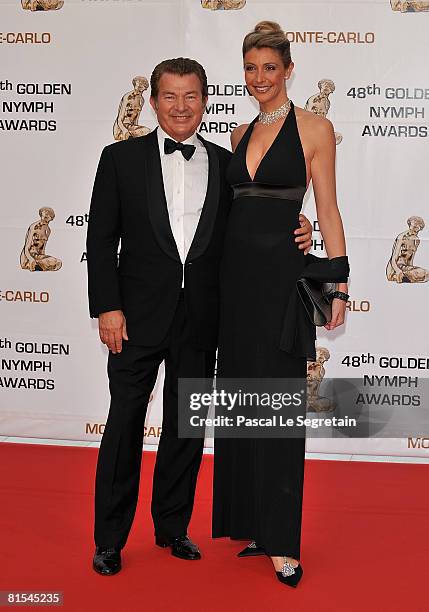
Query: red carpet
[365,541]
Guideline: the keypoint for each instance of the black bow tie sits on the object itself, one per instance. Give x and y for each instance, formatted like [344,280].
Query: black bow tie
[171,145]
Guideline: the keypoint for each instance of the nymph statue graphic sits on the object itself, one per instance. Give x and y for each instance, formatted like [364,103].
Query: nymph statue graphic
[219,5]
[127,122]
[409,6]
[315,374]
[319,104]
[42,5]
[33,256]
[400,267]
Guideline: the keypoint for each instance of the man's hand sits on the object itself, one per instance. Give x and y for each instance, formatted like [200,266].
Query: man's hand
[113,329]
[303,234]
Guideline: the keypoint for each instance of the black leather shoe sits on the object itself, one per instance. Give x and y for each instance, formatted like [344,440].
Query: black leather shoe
[290,575]
[251,550]
[107,561]
[181,547]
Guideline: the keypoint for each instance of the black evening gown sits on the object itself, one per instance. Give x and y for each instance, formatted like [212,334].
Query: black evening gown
[258,483]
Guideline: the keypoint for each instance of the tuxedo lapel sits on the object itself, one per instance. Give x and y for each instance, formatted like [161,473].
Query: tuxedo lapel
[208,214]
[156,201]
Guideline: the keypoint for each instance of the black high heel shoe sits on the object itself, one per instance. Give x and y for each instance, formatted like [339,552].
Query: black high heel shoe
[290,575]
[251,550]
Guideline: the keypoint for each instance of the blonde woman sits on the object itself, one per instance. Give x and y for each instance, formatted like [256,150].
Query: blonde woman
[264,332]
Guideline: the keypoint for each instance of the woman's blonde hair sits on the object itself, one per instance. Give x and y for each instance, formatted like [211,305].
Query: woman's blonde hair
[268,34]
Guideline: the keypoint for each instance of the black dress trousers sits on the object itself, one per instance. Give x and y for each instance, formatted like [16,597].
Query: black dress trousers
[132,376]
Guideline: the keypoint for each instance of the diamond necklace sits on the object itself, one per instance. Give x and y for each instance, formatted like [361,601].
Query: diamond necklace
[273,116]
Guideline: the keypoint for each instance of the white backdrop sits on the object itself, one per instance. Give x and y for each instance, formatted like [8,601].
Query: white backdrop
[52,366]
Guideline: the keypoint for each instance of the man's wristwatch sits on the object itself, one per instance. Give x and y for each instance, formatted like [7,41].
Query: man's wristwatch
[341,295]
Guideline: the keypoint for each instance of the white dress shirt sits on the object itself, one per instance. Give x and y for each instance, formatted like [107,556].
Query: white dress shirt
[185,187]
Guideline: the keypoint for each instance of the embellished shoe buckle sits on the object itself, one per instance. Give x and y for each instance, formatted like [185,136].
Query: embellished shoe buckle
[287,569]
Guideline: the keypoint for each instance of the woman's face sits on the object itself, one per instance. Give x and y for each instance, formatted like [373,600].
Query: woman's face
[265,74]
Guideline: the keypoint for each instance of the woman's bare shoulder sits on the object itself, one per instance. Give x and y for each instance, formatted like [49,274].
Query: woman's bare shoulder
[237,134]
[315,124]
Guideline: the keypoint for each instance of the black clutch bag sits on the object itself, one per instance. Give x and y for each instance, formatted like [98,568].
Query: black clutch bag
[317,299]
[310,304]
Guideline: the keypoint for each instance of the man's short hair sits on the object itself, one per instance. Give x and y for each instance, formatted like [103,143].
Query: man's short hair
[179,66]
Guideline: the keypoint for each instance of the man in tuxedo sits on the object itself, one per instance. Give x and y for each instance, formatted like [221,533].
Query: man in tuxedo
[165,199]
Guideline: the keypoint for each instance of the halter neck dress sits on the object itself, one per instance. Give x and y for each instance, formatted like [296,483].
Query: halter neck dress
[258,483]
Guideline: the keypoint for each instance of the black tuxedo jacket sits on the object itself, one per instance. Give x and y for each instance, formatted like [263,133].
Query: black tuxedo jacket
[128,205]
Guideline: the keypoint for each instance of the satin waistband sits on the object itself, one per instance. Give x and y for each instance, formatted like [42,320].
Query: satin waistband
[263,190]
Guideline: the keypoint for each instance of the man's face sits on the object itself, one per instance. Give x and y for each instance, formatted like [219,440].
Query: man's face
[180,105]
